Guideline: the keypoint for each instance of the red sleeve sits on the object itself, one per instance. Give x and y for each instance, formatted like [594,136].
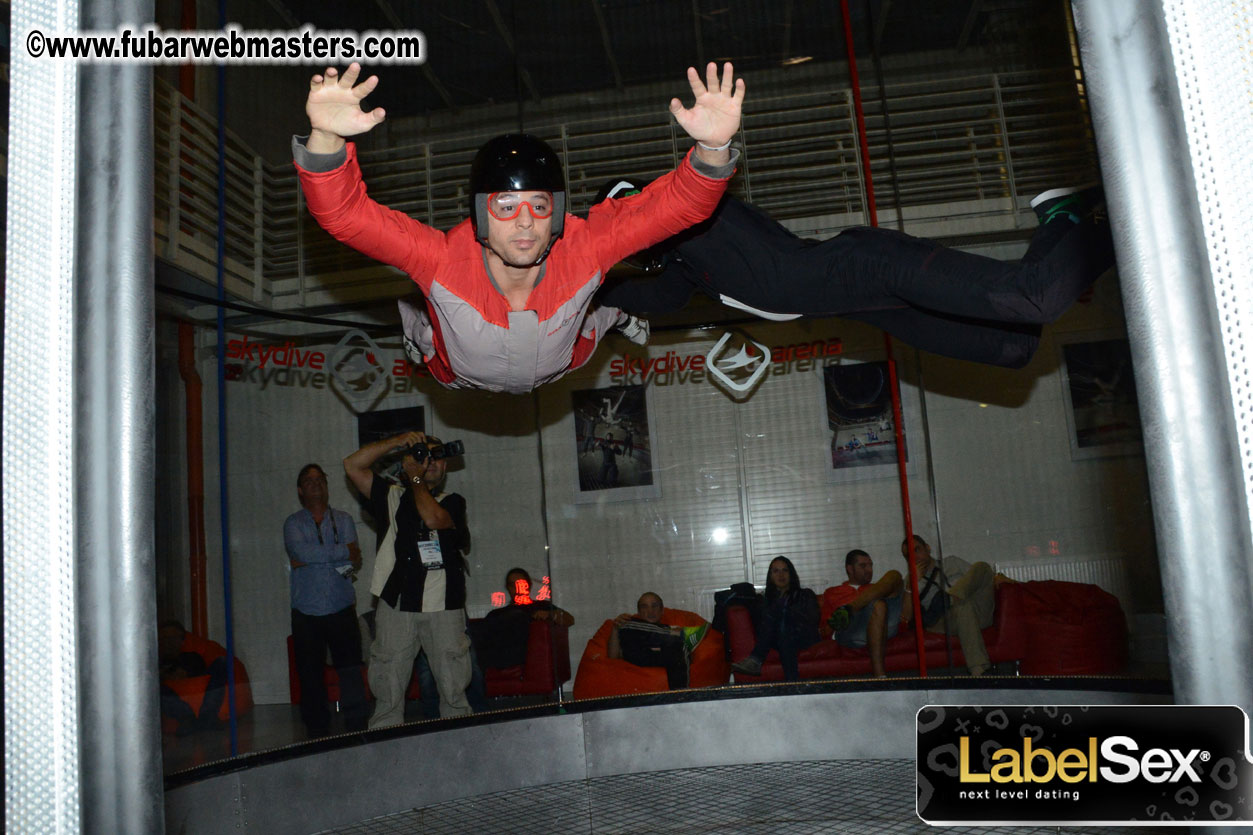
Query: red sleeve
[665,207]
[832,599]
[338,201]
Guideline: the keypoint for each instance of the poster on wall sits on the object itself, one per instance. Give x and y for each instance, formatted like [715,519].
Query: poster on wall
[1099,391]
[613,444]
[858,400]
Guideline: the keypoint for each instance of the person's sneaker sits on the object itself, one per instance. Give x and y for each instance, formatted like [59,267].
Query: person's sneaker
[634,329]
[1073,204]
[692,636]
[840,618]
[748,665]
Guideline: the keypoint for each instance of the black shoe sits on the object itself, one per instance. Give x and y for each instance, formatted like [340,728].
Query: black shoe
[1073,204]
[748,665]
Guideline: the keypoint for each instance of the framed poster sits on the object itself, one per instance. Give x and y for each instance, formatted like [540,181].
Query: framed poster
[1099,391]
[613,444]
[858,401]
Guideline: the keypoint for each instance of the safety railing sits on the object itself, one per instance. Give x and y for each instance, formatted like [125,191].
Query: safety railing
[932,143]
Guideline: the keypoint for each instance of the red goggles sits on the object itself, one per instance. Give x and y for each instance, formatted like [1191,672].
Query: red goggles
[506,205]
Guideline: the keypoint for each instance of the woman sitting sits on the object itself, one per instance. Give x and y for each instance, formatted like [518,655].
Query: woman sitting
[789,623]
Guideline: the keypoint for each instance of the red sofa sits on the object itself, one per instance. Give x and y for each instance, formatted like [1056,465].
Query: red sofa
[599,675]
[547,667]
[1050,627]
[547,664]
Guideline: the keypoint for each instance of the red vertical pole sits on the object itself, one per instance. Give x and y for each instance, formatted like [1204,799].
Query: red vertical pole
[195,480]
[187,72]
[897,422]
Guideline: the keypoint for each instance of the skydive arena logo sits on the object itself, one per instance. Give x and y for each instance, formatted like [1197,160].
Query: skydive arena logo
[356,368]
[1164,765]
[738,371]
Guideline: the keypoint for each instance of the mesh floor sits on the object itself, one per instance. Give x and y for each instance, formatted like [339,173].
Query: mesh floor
[845,796]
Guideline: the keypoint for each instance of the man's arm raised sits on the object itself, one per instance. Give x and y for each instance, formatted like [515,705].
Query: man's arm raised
[334,108]
[714,117]
[357,466]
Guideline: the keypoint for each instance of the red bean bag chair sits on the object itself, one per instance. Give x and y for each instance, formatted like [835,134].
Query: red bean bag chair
[191,691]
[1074,629]
[600,675]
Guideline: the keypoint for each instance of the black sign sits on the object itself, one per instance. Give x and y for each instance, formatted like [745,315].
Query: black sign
[1083,764]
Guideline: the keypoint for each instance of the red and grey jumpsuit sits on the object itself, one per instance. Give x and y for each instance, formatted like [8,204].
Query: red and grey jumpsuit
[467,335]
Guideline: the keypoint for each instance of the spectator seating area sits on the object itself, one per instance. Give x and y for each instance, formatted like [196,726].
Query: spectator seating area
[192,690]
[1047,627]
[599,675]
[547,667]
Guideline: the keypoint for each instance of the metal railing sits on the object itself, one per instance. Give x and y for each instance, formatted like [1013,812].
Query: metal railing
[955,140]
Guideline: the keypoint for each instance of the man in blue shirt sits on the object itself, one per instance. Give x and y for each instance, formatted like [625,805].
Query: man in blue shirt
[322,546]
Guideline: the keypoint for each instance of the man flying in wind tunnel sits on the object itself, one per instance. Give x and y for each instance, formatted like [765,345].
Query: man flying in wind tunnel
[508,293]
[941,300]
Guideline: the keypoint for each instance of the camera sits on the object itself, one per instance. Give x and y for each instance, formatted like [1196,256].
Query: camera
[448,449]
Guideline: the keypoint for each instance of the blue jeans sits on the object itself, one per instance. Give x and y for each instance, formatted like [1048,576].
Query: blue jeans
[853,636]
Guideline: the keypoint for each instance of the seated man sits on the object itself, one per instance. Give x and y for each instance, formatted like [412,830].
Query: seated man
[643,640]
[955,596]
[500,639]
[859,613]
[174,662]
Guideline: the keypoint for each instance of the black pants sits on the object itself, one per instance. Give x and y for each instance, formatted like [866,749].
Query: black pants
[781,629]
[655,647]
[941,300]
[312,635]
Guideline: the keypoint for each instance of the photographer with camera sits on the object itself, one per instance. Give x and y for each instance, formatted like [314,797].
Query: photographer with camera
[419,573]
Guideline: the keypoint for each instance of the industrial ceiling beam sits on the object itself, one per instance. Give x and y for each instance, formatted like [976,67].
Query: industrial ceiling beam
[972,14]
[507,37]
[700,43]
[604,37]
[881,24]
[394,21]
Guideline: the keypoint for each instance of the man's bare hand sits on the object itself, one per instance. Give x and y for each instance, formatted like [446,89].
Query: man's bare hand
[714,118]
[334,108]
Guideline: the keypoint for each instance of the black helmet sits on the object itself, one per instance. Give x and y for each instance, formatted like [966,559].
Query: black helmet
[516,162]
[653,259]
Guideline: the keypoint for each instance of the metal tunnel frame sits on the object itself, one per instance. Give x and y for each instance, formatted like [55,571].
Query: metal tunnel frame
[1170,268]
[81,747]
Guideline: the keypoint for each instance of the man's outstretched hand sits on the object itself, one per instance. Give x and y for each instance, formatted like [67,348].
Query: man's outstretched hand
[334,108]
[714,118]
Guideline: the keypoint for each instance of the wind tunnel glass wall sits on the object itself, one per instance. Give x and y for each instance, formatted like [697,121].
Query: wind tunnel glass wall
[639,472]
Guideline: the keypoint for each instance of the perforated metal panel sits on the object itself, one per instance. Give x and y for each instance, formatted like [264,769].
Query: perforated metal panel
[40,691]
[1212,45]
[847,796]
